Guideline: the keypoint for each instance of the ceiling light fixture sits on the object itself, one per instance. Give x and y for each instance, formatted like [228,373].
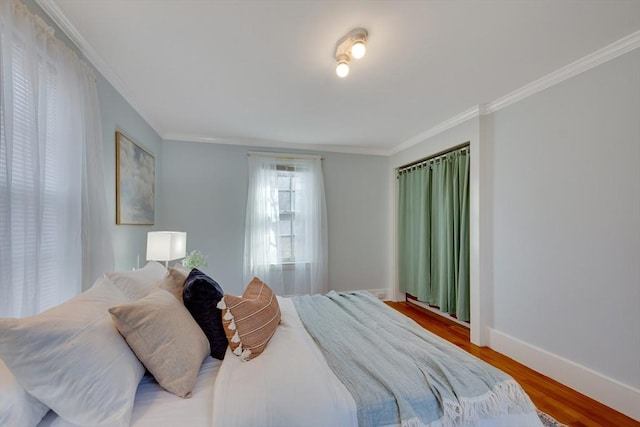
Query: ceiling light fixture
[342,69]
[353,45]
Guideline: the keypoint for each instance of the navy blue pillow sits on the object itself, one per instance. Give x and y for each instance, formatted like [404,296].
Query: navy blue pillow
[201,294]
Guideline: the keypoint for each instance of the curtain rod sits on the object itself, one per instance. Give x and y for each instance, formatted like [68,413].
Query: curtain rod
[286,156]
[434,157]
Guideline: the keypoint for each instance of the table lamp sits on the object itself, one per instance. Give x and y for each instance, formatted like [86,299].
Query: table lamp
[166,245]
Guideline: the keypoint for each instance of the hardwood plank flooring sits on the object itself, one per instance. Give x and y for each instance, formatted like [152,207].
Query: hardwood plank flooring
[561,402]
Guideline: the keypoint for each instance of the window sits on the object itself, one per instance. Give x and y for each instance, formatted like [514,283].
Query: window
[287,181]
[48,128]
[286,226]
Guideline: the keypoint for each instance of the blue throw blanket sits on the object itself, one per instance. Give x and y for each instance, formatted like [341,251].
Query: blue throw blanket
[400,374]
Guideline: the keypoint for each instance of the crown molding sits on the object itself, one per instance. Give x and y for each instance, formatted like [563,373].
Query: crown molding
[54,12]
[443,126]
[615,49]
[255,142]
[586,63]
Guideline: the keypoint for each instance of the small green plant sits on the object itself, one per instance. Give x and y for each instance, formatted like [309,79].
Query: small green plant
[194,259]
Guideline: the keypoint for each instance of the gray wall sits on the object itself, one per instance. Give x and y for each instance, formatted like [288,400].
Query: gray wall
[205,194]
[129,241]
[567,219]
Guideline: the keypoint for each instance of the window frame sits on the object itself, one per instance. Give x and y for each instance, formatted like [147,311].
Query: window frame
[285,169]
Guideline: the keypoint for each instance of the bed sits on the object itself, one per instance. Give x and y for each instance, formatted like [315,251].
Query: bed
[296,379]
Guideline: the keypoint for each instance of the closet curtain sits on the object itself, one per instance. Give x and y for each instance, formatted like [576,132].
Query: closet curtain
[433,232]
[54,230]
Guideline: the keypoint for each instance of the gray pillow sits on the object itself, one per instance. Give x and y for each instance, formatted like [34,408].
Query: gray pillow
[166,339]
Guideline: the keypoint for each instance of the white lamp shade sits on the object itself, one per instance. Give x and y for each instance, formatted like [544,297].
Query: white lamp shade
[166,245]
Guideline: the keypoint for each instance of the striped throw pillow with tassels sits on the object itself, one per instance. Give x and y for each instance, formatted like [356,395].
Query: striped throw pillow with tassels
[250,320]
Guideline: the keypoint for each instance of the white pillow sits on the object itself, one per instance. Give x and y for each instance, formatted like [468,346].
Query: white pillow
[138,283]
[17,407]
[73,359]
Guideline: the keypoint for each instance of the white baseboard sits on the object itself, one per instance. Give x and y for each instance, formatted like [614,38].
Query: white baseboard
[613,393]
[382,294]
[438,312]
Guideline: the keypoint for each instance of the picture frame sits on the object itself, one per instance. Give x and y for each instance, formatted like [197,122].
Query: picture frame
[135,183]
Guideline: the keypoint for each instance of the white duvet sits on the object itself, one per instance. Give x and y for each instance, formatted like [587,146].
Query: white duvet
[155,407]
[289,384]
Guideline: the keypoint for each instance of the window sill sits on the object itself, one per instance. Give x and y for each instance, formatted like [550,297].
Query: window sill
[291,265]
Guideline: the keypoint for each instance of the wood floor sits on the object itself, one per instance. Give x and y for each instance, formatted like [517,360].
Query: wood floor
[562,403]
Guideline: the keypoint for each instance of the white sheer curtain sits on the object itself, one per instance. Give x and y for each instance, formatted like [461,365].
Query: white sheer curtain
[54,232]
[301,268]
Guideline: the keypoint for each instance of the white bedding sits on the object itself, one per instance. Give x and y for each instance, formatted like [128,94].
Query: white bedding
[289,385]
[156,407]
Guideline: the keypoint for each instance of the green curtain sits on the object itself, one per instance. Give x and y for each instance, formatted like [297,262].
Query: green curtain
[433,233]
[414,226]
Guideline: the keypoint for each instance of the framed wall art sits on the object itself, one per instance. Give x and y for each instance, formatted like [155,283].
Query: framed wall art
[135,183]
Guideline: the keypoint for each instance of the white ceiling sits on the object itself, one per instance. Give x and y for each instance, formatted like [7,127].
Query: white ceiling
[263,72]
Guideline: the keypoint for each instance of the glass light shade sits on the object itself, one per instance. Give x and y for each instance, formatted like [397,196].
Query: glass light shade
[358,49]
[342,69]
[166,245]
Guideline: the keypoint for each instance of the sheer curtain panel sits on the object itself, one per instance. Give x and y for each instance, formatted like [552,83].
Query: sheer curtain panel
[286,224]
[53,227]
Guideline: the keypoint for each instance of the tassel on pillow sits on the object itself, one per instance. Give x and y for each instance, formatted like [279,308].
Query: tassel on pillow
[245,355]
[238,350]
[250,321]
